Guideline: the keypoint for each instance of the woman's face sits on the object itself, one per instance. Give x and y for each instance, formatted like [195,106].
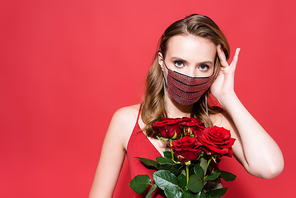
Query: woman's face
[190,55]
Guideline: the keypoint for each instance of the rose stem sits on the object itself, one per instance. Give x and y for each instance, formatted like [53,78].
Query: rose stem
[187,173]
[187,170]
[209,163]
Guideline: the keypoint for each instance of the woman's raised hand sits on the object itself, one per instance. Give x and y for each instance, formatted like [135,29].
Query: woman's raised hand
[253,144]
[223,87]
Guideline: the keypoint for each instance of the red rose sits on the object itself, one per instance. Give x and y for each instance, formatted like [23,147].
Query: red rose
[168,128]
[192,126]
[217,141]
[187,148]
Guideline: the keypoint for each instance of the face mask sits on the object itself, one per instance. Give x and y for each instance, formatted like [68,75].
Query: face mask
[186,90]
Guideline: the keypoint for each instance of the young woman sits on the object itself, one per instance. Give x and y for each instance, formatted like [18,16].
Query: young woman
[191,62]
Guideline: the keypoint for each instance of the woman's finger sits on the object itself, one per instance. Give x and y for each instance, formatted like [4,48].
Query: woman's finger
[222,56]
[235,58]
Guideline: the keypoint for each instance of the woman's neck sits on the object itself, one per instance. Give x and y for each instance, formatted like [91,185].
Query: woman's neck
[176,110]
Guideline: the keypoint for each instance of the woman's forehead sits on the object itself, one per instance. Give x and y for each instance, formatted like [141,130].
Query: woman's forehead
[191,47]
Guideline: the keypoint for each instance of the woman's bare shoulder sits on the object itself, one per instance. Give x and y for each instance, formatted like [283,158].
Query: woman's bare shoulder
[222,119]
[127,114]
[123,122]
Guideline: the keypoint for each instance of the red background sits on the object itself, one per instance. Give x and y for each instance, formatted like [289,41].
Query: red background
[66,66]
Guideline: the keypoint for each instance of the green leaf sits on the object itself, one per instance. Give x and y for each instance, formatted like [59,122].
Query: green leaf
[151,190]
[149,162]
[165,167]
[203,164]
[140,183]
[212,177]
[226,175]
[164,161]
[183,171]
[182,181]
[164,178]
[198,170]
[195,184]
[216,193]
[202,194]
[188,194]
[172,192]
[167,154]
[214,171]
[175,170]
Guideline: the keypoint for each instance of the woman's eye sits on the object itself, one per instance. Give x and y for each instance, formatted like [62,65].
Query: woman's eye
[178,63]
[204,67]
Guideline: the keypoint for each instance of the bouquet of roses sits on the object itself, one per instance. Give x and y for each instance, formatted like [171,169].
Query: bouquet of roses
[189,169]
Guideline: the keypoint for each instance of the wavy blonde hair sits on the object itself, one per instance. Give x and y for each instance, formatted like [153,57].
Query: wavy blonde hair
[153,106]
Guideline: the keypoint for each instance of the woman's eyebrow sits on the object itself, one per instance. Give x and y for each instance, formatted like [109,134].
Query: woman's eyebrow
[181,59]
[177,58]
[174,58]
[206,62]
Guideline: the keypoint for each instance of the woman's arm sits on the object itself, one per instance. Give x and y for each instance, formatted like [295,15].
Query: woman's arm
[253,148]
[113,153]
